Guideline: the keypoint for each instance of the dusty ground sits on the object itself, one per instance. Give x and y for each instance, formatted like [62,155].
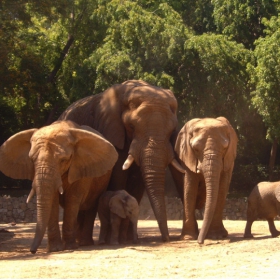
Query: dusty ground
[230,258]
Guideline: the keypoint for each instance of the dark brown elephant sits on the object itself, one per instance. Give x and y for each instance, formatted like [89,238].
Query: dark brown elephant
[263,203]
[116,208]
[207,150]
[61,158]
[139,120]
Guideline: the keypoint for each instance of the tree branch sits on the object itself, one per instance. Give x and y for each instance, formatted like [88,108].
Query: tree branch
[51,78]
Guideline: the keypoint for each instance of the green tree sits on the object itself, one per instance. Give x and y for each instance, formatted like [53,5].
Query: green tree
[265,76]
[242,20]
[213,78]
[139,44]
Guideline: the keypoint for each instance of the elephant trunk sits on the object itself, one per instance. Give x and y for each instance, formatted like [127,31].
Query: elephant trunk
[45,191]
[134,224]
[43,215]
[153,171]
[211,170]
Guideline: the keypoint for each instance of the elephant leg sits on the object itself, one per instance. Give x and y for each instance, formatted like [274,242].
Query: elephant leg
[190,227]
[115,229]
[251,217]
[104,233]
[54,238]
[85,226]
[217,229]
[69,226]
[247,232]
[135,185]
[136,188]
[274,232]
[118,180]
[135,234]
[178,178]
[123,231]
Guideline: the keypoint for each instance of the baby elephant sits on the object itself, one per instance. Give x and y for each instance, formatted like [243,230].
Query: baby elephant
[116,208]
[263,203]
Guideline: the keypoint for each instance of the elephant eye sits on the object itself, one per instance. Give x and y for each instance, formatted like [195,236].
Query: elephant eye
[64,159]
[131,126]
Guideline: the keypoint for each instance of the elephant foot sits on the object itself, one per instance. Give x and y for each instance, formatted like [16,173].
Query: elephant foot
[102,242]
[165,238]
[71,245]
[114,243]
[248,235]
[86,242]
[275,234]
[55,246]
[217,234]
[124,240]
[188,236]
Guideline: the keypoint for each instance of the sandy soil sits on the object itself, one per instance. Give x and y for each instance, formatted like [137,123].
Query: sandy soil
[233,257]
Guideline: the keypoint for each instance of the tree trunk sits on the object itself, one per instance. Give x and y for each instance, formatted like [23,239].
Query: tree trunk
[272,159]
[51,78]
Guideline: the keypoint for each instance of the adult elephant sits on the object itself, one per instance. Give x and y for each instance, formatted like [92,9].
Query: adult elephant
[67,159]
[207,150]
[139,120]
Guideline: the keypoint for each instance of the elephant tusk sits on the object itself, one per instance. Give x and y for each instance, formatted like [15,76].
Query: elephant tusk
[60,189]
[128,162]
[177,165]
[30,196]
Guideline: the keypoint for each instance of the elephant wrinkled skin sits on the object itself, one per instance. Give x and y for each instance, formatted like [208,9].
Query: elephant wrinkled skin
[263,203]
[69,164]
[207,149]
[116,208]
[139,120]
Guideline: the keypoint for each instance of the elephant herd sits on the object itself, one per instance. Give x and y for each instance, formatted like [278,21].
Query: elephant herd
[106,149]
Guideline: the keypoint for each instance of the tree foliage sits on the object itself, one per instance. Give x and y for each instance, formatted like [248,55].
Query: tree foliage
[214,77]
[265,75]
[219,58]
[242,20]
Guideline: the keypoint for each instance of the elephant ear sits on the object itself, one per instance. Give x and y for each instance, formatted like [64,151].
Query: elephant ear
[14,156]
[183,147]
[231,151]
[277,193]
[107,114]
[90,129]
[93,155]
[116,205]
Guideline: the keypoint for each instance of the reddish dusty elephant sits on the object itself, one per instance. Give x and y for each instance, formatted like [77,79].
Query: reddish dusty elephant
[67,163]
[139,120]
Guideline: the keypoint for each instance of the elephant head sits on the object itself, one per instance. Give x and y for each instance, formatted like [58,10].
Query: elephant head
[44,155]
[124,205]
[208,146]
[138,119]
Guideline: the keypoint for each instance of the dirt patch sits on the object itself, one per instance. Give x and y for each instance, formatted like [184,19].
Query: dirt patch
[233,257]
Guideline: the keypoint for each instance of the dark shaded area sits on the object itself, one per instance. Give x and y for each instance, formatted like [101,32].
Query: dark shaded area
[12,187]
